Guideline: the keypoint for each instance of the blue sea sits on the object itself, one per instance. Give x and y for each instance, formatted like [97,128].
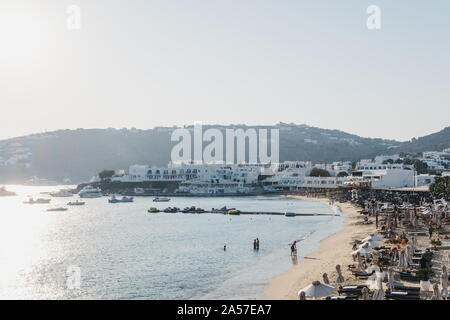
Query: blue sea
[120,251]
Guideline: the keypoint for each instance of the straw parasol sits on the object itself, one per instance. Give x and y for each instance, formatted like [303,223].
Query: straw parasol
[340,278]
[444,282]
[302,295]
[436,294]
[365,293]
[317,290]
[325,278]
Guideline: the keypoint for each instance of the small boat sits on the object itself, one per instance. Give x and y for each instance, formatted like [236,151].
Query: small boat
[37,201]
[199,210]
[6,193]
[153,210]
[76,203]
[56,209]
[290,214]
[222,210]
[90,192]
[234,212]
[61,194]
[161,199]
[171,210]
[124,199]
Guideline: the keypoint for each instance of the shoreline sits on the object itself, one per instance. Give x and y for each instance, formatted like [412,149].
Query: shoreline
[333,250]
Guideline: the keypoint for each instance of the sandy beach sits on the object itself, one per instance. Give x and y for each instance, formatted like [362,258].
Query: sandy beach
[334,250]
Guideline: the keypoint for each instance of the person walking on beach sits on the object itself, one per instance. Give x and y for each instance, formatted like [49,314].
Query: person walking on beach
[257,244]
[254,244]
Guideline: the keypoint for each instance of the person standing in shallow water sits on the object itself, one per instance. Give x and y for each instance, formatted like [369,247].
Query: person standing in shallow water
[257,244]
[254,244]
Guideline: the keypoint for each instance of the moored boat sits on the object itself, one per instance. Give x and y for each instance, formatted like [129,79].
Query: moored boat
[123,200]
[61,194]
[161,199]
[234,212]
[6,193]
[37,201]
[76,203]
[56,209]
[290,214]
[153,210]
[90,192]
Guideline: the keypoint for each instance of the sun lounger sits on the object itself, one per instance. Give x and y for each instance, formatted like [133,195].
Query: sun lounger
[362,274]
[355,290]
[409,276]
[402,295]
[406,288]
[349,297]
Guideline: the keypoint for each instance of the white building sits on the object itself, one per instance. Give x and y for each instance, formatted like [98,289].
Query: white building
[385,175]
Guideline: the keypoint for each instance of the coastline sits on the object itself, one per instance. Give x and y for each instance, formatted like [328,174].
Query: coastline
[336,249]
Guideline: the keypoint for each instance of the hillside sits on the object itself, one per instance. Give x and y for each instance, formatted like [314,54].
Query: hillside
[80,154]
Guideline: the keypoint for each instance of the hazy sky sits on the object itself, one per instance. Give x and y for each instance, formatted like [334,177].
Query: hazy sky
[155,63]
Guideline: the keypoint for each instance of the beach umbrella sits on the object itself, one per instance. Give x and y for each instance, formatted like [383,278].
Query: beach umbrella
[364,251]
[365,293]
[340,278]
[372,237]
[317,290]
[325,278]
[444,282]
[436,294]
[302,295]
[390,284]
[371,244]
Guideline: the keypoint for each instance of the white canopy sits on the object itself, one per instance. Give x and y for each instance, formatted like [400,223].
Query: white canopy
[372,237]
[363,251]
[317,290]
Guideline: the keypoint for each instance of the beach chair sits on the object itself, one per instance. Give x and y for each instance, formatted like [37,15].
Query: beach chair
[362,274]
[352,290]
[406,288]
[402,295]
[410,276]
[349,297]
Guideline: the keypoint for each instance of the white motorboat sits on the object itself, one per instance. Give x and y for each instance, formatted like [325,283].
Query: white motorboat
[62,194]
[90,192]
[6,193]
[161,199]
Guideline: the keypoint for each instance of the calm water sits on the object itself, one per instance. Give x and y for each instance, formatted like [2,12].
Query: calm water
[123,252]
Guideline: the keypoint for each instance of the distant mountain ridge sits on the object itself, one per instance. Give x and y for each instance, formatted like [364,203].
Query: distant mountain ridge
[80,154]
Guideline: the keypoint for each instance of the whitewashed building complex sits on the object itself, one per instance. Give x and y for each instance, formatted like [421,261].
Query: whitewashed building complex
[286,176]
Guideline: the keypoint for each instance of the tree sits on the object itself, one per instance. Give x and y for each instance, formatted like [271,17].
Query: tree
[342,174]
[316,172]
[105,174]
[441,186]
